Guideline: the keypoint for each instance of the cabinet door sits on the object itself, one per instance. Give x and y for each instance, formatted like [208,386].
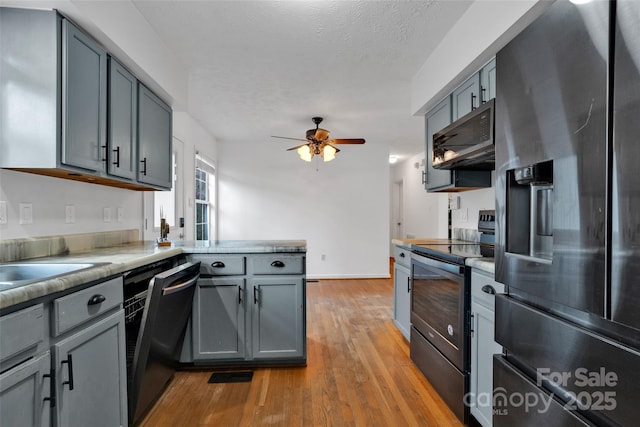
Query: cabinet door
[123,109]
[218,319]
[84,100]
[483,347]
[466,97]
[154,139]
[488,82]
[278,317]
[22,393]
[436,119]
[91,375]
[402,299]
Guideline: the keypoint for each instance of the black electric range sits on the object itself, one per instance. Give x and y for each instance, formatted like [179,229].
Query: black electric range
[449,250]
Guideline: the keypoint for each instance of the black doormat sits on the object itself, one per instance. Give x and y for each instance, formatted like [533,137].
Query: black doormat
[231,377]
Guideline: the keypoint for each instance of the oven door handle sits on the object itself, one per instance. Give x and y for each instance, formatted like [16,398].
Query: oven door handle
[451,268]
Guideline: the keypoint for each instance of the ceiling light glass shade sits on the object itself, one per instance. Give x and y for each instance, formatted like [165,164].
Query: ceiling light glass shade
[305,153]
[328,153]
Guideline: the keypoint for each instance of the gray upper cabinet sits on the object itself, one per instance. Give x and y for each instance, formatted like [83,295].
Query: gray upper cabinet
[70,117]
[154,139]
[437,118]
[84,100]
[123,121]
[466,97]
[488,81]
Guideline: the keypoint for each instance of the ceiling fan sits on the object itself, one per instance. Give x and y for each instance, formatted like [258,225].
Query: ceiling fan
[318,143]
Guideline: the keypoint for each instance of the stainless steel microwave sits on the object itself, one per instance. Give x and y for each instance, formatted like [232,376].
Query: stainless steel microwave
[468,142]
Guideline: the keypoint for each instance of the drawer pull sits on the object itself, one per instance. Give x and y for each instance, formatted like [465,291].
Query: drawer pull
[278,264]
[488,289]
[96,299]
[218,264]
[69,363]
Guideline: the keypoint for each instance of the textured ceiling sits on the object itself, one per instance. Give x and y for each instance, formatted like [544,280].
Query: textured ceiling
[261,68]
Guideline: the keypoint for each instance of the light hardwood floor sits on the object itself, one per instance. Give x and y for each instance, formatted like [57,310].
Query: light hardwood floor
[358,373]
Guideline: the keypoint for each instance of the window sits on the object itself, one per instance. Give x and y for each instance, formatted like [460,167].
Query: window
[205,199]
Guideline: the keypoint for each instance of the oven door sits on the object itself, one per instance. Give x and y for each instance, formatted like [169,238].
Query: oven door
[439,306]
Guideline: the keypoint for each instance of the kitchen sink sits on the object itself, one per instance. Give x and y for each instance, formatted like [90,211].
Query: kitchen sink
[19,274]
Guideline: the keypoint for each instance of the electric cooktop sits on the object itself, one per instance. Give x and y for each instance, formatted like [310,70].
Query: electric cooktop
[449,250]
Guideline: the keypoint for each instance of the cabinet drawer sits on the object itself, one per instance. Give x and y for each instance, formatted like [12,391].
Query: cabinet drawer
[402,256]
[79,307]
[220,265]
[481,285]
[21,331]
[278,264]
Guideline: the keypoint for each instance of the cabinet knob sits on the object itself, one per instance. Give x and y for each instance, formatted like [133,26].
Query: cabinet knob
[96,299]
[278,264]
[402,255]
[218,264]
[489,289]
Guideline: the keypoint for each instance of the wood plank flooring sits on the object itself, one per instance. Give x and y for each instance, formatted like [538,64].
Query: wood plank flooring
[358,373]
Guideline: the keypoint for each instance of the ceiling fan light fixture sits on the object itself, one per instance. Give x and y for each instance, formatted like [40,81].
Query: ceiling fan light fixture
[328,153]
[305,153]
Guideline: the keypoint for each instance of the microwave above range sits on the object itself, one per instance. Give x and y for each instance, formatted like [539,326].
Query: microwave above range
[468,142]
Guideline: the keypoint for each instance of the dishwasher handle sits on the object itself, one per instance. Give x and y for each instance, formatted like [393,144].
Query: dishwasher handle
[180,286]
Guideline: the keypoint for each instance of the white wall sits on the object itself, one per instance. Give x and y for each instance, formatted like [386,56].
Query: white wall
[471,202]
[341,209]
[49,196]
[424,214]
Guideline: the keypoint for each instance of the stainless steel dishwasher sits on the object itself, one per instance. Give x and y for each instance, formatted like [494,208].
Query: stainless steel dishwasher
[157,309]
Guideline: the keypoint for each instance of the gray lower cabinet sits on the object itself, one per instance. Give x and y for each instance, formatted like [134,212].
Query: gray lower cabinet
[249,308]
[483,345]
[277,317]
[218,319]
[23,390]
[91,378]
[402,290]
[25,364]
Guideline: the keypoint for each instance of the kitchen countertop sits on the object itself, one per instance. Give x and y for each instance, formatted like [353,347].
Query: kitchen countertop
[481,263]
[484,264]
[120,258]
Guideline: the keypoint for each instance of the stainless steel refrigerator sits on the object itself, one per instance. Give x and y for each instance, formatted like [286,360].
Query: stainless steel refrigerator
[568,218]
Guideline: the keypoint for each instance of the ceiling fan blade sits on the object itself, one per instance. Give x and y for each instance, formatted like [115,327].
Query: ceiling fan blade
[321,134]
[296,147]
[284,137]
[347,141]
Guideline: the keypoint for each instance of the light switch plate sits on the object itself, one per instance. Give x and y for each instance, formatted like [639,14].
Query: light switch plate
[69,214]
[119,214]
[3,212]
[26,213]
[106,214]
[463,214]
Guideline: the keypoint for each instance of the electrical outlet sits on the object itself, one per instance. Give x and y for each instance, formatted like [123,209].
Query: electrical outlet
[119,214]
[26,213]
[106,214]
[3,212]
[70,214]
[463,214]
[323,257]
